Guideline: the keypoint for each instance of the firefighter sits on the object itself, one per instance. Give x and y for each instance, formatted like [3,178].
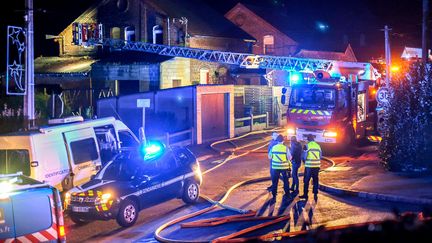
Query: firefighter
[280,157]
[272,143]
[296,152]
[312,157]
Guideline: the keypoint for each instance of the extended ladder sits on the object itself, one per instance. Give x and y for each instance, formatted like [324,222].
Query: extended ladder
[241,59]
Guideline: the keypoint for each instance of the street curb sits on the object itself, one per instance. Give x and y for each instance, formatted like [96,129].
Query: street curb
[375,196]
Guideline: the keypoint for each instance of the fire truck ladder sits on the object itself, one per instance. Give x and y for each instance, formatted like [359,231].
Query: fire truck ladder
[242,59]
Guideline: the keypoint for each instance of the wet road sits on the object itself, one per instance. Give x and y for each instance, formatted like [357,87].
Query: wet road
[328,210]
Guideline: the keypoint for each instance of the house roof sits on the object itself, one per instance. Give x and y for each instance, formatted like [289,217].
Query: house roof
[301,26]
[347,56]
[63,65]
[202,19]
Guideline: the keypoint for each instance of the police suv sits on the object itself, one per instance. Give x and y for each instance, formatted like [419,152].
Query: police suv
[133,181]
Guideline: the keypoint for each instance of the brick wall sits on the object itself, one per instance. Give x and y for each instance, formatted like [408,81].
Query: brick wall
[218,43]
[175,69]
[258,28]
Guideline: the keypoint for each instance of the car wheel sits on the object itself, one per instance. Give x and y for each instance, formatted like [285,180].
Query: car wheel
[191,192]
[128,213]
[77,220]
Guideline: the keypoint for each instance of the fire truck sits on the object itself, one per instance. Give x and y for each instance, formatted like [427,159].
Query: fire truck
[336,107]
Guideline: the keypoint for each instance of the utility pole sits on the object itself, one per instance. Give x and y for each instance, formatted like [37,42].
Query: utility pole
[29,104]
[425,54]
[387,55]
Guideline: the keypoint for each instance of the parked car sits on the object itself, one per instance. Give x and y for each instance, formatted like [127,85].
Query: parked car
[134,181]
[30,211]
[67,152]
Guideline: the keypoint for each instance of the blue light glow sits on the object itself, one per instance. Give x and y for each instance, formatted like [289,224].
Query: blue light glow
[152,150]
[295,78]
[322,26]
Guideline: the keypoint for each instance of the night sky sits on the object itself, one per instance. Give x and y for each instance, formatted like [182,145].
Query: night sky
[367,16]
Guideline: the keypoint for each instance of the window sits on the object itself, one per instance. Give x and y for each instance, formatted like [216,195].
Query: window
[122,5]
[176,83]
[30,218]
[127,139]
[167,162]
[84,150]
[107,142]
[183,156]
[157,34]
[14,160]
[115,33]
[342,99]
[268,44]
[204,76]
[129,33]
[322,98]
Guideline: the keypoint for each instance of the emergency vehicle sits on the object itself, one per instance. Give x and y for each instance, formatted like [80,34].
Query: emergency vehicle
[30,211]
[67,152]
[334,110]
[133,181]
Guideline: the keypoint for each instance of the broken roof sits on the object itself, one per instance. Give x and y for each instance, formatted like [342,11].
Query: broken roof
[202,19]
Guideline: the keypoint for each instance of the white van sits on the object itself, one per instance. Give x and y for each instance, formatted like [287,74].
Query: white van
[64,155]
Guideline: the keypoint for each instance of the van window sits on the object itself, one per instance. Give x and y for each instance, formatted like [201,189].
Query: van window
[84,150]
[36,204]
[126,139]
[14,160]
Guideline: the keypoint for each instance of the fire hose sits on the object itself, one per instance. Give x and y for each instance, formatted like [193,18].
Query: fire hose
[219,203]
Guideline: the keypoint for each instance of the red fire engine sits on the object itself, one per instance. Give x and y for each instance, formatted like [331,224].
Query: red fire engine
[336,107]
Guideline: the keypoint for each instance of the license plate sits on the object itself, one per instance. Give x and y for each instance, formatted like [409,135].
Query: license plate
[80,209]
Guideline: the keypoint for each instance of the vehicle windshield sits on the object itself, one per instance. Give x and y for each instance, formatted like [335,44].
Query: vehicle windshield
[126,167]
[14,160]
[313,97]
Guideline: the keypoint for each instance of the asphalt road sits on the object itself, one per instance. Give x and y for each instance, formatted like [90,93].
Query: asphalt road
[327,210]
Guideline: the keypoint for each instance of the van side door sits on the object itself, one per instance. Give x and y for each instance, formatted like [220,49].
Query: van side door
[83,154]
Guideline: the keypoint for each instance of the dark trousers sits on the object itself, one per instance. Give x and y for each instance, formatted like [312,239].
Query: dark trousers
[295,168]
[275,175]
[308,174]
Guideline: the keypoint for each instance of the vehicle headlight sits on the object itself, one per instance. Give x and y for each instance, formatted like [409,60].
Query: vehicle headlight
[291,131]
[104,198]
[67,199]
[330,134]
[197,170]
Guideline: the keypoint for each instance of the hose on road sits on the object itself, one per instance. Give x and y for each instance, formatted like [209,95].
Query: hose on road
[219,203]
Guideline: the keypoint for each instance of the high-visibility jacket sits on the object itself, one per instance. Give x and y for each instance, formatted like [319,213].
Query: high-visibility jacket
[313,155]
[279,160]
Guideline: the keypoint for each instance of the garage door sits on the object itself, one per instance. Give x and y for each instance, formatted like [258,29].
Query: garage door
[214,115]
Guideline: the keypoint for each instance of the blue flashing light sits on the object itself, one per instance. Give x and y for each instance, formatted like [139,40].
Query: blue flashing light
[152,150]
[295,78]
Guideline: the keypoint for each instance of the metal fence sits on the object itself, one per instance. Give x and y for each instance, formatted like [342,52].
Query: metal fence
[251,123]
[182,138]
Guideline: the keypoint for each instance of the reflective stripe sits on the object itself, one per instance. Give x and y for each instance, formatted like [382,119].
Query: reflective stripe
[313,112]
[313,156]
[327,113]
[320,112]
[279,158]
[306,111]
[158,186]
[293,110]
[300,111]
